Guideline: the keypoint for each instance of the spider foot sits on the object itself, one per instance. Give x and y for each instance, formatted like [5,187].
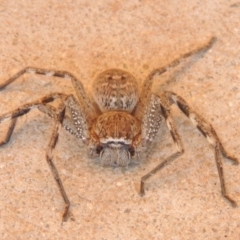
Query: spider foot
[231,201]
[234,161]
[142,190]
[65,214]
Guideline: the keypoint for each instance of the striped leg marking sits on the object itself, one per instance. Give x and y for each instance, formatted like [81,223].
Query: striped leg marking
[79,89]
[49,156]
[24,109]
[58,119]
[67,121]
[179,146]
[147,85]
[209,133]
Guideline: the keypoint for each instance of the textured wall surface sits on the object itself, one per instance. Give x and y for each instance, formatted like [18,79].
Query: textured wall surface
[183,201]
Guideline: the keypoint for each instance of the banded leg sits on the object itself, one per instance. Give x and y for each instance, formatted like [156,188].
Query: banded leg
[79,89]
[58,117]
[147,85]
[164,111]
[209,133]
[76,124]
[49,156]
[78,127]
[24,109]
[67,121]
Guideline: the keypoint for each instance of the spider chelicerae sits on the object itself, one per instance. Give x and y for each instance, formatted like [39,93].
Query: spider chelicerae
[123,125]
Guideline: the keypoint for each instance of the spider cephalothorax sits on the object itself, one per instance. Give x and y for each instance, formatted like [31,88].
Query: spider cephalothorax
[116,133]
[124,123]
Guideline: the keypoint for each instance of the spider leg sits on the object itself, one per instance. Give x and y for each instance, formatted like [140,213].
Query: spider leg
[79,89]
[147,85]
[209,133]
[49,110]
[59,117]
[67,121]
[24,109]
[58,121]
[76,124]
[9,132]
[159,108]
[49,156]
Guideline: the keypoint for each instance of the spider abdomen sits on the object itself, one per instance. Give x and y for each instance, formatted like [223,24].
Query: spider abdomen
[115,89]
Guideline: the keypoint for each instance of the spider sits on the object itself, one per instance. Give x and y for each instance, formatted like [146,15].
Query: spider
[123,126]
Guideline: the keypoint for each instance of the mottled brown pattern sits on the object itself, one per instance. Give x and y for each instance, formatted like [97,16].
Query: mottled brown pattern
[115,89]
[121,126]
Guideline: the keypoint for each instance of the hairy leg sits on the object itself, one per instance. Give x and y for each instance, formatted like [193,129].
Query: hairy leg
[209,133]
[157,108]
[147,84]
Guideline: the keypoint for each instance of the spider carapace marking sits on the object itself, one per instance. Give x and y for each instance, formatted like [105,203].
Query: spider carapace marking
[123,125]
[116,134]
[115,89]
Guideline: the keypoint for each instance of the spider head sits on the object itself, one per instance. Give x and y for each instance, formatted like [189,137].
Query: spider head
[114,135]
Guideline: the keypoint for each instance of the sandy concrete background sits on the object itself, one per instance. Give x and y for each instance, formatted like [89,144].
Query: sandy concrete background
[86,37]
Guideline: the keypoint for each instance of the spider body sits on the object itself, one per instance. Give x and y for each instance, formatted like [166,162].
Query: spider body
[116,132]
[124,123]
